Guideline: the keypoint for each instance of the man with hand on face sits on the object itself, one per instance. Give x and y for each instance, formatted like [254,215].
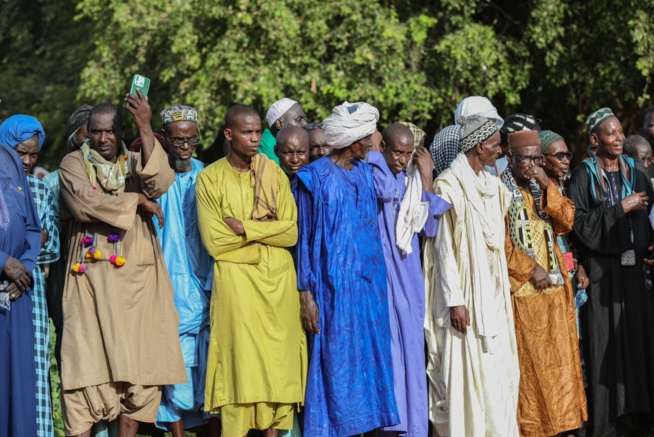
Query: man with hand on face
[402,195]
[120,342]
[284,112]
[257,351]
[292,149]
[552,398]
[473,359]
[189,266]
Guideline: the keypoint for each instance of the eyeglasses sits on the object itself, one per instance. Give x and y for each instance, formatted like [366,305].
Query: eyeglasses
[177,143]
[526,159]
[560,156]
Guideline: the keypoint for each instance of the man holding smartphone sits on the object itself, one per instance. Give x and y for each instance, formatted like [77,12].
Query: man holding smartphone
[120,341]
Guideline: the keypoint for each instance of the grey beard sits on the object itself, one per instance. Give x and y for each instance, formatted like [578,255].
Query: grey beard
[182,165]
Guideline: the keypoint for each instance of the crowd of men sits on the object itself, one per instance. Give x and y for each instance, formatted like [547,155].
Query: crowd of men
[327,279]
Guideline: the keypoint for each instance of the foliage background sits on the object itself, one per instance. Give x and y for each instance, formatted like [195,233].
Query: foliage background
[414,60]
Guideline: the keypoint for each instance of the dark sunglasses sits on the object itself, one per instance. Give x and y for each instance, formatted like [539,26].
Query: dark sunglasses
[560,156]
[193,142]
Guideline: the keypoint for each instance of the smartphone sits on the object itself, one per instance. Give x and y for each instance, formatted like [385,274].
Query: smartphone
[140,82]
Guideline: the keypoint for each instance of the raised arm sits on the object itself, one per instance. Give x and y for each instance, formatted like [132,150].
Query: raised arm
[139,107]
[559,208]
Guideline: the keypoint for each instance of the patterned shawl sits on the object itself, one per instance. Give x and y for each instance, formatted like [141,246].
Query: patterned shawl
[520,228]
[108,176]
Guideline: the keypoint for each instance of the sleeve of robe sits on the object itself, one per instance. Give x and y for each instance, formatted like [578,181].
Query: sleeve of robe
[560,209]
[50,251]
[283,231]
[437,207]
[156,176]
[521,266]
[305,278]
[383,178]
[448,280]
[88,205]
[594,226]
[32,231]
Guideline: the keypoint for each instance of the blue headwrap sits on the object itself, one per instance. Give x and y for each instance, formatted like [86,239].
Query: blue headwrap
[19,128]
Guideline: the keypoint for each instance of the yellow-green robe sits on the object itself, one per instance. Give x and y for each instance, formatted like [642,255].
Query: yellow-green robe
[257,351]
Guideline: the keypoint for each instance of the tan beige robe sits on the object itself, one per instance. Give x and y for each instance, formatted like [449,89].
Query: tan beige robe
[120,324]
[552,398]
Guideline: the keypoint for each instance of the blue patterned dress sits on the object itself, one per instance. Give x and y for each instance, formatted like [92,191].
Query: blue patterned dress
[340,259]
[49,253]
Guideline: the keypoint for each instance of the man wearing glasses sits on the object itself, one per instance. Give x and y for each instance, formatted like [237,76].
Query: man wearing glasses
[552,398]
[189,266]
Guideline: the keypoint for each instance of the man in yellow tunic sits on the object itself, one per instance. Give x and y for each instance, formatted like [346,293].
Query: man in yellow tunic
[257,350]
[552,398]
[119,340]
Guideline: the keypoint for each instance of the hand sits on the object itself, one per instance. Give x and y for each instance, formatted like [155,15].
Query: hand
[235,225]
[649,261]
[422,160]
[460,318]
[538,174]
[140,109]
[153,208]
[582,278]
[540,278]
[18,273]
[14,291]
[44,238]
[635,202]
[309,312]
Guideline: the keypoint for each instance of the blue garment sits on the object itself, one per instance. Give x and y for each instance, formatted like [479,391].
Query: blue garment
[189,266]
[406,297]
[19,128]
[20,238]
[49,253]
[340,260]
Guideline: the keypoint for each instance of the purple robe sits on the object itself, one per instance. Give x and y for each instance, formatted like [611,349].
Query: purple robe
[406,298]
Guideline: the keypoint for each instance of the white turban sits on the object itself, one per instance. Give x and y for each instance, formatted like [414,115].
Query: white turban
[349,123]
[477,105]
[278,109]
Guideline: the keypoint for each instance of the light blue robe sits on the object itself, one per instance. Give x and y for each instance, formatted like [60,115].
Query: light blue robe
[189,266]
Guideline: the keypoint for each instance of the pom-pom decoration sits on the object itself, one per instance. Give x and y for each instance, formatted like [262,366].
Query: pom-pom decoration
[93,253]
[114,238]
[87,241]
[79,268]
[117,260]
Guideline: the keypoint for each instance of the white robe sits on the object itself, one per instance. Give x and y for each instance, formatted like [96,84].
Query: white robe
[473,379]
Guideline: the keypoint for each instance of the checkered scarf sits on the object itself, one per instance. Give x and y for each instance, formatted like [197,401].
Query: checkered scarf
[445,148]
